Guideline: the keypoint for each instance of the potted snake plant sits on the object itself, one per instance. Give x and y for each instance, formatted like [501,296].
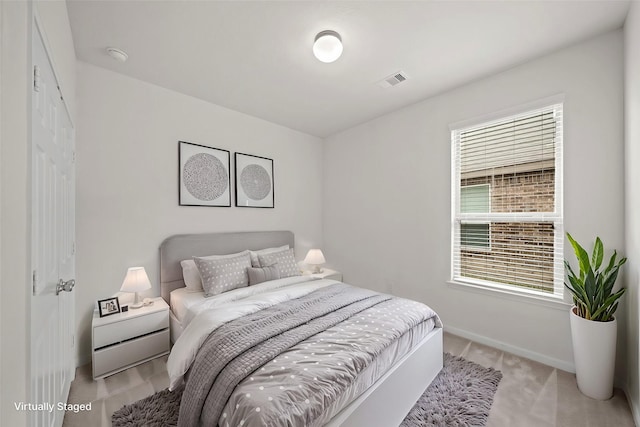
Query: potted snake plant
[593,327]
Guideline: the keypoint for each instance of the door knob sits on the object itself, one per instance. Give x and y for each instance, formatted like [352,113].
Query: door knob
[65,286]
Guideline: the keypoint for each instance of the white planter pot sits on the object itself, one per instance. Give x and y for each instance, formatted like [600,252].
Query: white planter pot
[594,353]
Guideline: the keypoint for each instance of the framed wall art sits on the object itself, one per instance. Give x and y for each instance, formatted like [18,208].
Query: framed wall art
[109,306]
[254,181]
[205,178]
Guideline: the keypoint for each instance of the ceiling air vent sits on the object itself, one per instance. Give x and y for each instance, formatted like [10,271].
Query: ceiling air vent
[393,79]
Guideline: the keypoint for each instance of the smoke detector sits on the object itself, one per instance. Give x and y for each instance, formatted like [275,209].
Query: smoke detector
[393,80]
[117,54]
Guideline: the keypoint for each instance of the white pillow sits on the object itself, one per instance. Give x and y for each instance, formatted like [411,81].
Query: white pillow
[191,275]
[255,262]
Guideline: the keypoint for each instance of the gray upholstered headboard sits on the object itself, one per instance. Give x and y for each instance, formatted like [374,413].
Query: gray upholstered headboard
[184,246]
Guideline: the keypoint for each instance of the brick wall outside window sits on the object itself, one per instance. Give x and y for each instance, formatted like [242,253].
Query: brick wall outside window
[517,249]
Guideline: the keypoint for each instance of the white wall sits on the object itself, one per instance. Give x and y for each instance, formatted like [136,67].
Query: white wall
[1,200]
[127,180]
[632,202]
[387,191]
[14,266]
[15,222]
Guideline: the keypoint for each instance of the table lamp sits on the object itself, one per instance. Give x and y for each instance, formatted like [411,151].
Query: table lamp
[136,281]
[315,258]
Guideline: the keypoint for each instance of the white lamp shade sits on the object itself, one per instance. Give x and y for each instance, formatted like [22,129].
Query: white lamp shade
[314,257]
[327,46]
[136,280]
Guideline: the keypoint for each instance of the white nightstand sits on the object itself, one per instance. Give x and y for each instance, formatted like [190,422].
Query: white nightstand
[123,340]
[327,273]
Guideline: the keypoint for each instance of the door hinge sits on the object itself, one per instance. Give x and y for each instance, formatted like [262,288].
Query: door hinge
[36,78]
[34,280]
[73,248]
[73,340]
[73,157]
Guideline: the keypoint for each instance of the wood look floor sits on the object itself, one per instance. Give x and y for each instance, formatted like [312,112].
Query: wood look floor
[530,394]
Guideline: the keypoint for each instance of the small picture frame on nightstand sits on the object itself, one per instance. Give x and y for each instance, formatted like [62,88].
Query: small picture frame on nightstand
[109,306]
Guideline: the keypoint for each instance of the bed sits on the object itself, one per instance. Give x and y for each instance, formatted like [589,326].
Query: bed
[301,388]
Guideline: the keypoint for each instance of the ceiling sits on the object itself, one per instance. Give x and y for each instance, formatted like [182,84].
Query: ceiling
[256,58]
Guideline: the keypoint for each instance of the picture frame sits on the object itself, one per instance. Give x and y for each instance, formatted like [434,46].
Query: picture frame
[204,175]
[108,306]
[254,181]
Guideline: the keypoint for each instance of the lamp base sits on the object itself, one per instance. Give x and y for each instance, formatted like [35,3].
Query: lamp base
[136,302]
[317,269]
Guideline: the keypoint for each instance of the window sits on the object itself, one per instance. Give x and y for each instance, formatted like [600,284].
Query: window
[507,226]
[476,199]
[475,236]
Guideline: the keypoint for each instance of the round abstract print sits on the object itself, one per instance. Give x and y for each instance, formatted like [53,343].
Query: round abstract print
[255,182]
[205,177]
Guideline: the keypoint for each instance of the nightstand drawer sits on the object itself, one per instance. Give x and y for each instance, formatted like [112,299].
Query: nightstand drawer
[120,331]
[120,356]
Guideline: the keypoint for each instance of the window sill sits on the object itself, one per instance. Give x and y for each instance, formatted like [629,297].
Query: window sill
[513,294]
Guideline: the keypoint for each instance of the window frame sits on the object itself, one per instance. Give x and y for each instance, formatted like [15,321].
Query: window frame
[556,104]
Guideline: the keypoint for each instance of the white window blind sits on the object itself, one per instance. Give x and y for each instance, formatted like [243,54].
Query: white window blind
[507,202]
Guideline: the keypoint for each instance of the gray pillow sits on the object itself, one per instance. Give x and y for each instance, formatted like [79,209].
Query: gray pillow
[255,262]
[224,274]
[284,261]
[191,275]
[262,274]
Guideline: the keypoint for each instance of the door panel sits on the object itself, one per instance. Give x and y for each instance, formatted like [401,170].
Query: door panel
[53,236]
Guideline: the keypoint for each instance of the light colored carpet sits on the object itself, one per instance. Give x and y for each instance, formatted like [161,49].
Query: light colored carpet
[530,394]
[460,396]
[535,395]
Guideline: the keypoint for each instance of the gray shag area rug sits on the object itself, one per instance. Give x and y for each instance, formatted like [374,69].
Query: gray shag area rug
[460,396]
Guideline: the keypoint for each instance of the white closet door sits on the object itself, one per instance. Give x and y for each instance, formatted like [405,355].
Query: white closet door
[53,241]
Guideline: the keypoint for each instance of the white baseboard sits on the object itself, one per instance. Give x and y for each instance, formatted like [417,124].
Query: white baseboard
[518,351]
[634,405]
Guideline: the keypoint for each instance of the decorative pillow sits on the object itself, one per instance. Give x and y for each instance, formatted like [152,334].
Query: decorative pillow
[284,261]
[255,262]
[191,275]
[263,274]
[223,274]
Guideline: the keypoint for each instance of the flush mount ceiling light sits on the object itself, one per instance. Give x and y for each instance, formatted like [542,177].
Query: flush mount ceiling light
[117,54]
[327,46]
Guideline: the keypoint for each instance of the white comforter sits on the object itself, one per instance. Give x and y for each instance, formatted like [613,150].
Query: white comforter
[208,315]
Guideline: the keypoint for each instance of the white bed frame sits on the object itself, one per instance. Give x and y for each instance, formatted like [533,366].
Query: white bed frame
[175,327]
[386,402]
